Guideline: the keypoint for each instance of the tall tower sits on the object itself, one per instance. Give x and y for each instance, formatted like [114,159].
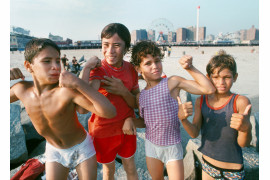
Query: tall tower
[197,32]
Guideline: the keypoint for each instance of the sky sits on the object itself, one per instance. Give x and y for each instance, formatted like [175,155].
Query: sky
[85,19]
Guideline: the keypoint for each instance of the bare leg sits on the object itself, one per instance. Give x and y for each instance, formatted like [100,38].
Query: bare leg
[108,171]
[175,170]
[88,169]
[130,168]
[205,176]
[155,168]
[56,171]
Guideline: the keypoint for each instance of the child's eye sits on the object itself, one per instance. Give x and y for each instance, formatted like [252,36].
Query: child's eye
[148,63]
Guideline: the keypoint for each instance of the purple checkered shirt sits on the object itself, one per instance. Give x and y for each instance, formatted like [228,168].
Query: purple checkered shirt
[160,113]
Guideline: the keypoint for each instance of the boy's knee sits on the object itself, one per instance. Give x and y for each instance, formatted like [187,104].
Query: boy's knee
[129,166]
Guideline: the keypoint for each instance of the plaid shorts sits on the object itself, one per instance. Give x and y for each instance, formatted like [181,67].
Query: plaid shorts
[222,174]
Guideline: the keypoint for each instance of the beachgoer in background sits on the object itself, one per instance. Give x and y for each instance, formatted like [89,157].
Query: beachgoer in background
[75,67]
[51,100]
[117,80]
[64,60]
[223,118]
[169,51]
[158,107]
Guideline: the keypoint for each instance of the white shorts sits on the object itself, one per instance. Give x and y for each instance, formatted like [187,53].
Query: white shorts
[164,153]
[73,156]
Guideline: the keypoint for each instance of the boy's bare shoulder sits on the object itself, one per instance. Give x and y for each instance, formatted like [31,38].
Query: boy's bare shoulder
[242,100]
[22,85]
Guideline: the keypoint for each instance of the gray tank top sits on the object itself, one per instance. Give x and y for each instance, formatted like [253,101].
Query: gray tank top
[219,140]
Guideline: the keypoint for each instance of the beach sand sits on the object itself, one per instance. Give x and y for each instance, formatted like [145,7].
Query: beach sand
[247,59]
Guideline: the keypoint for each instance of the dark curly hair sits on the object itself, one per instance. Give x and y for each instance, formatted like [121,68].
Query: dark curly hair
[222,61]
[142,49]
[34,46]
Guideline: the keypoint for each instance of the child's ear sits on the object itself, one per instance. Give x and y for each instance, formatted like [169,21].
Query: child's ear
[235,77]
[137,68]
[27,66]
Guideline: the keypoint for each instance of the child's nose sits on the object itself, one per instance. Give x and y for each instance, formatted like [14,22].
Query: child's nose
[110,49]
[221,81]
[56,65]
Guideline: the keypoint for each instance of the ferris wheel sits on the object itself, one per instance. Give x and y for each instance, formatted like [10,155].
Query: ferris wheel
[162,27]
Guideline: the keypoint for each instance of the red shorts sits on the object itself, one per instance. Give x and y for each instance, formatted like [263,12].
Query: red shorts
[107,148]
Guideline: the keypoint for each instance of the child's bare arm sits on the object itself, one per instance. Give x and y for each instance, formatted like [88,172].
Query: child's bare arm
[129,127]
[139,122]
[193,129]
[15,73]
[116,86]
[240,121]
[92,101]
[200,85]
[92,63]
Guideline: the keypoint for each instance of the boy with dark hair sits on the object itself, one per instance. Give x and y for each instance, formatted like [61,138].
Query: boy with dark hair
[118,81]
[51,100]
[223,118]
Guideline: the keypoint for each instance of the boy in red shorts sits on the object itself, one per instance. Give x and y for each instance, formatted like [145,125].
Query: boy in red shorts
[118,81]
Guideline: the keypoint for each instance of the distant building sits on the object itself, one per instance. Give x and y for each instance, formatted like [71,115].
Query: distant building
[171,37]
[253,33]
[20,30]
[19,37]
[247,35]
[18,41]
[93,43]
[151,35]
[55,38]
[65,43]
[210,37]
[243,35]
[181,34]
[138,35]
[202,33]
[189,34]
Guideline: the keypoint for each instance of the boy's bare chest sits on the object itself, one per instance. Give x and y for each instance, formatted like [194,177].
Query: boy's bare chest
[46,107]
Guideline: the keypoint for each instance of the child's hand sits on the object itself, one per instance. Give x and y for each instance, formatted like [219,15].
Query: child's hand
[186,61]
[129,127]
[239,121]
[67,79]
[184,110]
[93,63]
[114,85]
[15,73]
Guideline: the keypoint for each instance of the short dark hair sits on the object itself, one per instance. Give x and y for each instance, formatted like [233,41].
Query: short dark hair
[122,31]
[222,61]
[34,46]
[142,49]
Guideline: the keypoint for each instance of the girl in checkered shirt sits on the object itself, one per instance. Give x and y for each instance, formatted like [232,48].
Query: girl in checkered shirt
[158,107]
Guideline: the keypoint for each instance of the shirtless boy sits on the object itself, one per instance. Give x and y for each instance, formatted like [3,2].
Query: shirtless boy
[51,100]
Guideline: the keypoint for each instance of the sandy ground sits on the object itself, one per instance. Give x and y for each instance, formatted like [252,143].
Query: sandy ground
[247,63]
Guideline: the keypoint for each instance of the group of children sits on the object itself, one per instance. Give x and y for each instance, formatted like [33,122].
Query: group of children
[109,89]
